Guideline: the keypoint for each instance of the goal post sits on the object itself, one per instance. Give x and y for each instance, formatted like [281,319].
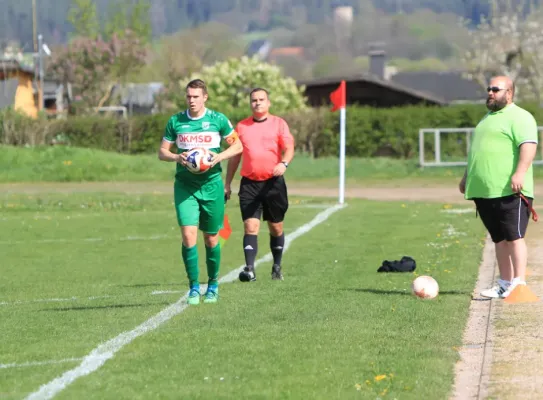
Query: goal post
[436,135]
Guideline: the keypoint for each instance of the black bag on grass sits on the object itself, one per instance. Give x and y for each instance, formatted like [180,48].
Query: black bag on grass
[406,264]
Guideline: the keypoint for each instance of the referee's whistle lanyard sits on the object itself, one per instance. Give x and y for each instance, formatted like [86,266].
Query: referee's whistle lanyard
[535,217]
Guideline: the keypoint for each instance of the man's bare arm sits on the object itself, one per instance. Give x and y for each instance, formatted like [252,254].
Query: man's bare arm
[234,148]
[527,154]
[462,184]
[288,154]
[165,153]
[233,165]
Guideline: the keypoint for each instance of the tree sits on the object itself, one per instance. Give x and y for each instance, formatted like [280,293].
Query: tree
[140,20]
[82,15]
[84,63]
[229,83]
[123,17]
[93,66]
[183,53]
[508,43]
[129,54]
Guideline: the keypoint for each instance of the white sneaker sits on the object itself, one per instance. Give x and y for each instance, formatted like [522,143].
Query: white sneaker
[514,283]
[498,290]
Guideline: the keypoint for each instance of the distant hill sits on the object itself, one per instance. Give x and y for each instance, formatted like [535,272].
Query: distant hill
[168,16]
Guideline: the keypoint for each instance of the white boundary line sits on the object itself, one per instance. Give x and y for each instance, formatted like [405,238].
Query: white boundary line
[65,216]
[39,363]
[97,357]
[74,298]
[99,239]
[459,210]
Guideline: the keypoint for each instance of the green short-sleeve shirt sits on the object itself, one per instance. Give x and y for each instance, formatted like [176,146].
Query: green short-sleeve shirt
[495,150]
[206,131]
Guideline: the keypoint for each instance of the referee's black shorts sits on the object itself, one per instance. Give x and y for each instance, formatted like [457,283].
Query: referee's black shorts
[269,197]
[505,218]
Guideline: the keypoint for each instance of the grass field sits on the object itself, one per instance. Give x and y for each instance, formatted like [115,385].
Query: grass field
[67,164]
[81,269]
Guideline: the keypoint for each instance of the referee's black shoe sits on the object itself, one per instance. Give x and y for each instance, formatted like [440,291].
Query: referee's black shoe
[248,274]
[276,273]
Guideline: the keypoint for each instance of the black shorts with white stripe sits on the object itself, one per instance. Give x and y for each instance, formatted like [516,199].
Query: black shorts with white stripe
[269,197]
[505,218]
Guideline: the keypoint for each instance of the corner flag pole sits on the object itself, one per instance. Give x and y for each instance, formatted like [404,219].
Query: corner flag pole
[342,117]
[339,102]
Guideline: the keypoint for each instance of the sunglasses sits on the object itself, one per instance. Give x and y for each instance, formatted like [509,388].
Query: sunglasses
[494,89]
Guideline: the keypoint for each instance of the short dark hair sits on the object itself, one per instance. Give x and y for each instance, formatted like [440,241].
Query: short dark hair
[259,89]
[197,84]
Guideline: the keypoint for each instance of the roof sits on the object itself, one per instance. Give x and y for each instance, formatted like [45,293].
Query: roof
[372,90]
[450,85]
[10,64]
[286,51]
[139,94]
[50,89]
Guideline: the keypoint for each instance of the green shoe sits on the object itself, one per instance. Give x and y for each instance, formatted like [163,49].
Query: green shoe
[194,296]
[212,295]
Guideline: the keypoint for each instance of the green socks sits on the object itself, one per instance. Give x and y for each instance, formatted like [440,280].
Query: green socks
[190,258]
[213,262]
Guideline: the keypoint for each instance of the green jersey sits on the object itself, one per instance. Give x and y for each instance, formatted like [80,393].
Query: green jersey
[495,151]
[205,131]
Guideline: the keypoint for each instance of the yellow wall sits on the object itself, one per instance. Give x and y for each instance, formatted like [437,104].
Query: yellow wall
[24,96]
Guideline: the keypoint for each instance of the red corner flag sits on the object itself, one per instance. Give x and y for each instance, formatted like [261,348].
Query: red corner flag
[225,232]
[338,97]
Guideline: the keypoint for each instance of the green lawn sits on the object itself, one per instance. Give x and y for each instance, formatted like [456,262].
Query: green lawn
[67,164]
[80,269]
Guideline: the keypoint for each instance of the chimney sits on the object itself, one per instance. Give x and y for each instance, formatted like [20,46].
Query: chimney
[377,61]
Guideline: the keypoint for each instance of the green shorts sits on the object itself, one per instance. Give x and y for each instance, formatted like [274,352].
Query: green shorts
[200,204]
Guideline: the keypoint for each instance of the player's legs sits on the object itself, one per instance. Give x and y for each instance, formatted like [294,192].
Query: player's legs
[251,211]
[507,218]
[277,244]
[488,210]
[187,211]
[213,263]
[515,216]
[275,207]
[503,256]
[251,227]
[211,199]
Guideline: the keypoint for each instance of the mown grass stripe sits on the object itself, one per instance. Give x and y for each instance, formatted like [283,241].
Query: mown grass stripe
[105,351]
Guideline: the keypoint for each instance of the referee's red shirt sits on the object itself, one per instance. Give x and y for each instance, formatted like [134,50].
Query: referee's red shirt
[263,144]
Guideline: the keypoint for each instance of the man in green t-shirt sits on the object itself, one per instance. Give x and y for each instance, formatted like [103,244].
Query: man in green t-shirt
[499,179]
[199,199]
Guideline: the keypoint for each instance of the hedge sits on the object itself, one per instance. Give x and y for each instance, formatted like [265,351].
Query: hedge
[370,131]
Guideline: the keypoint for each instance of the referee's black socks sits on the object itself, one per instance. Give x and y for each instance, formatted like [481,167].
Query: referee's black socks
[250,248]
[276,245]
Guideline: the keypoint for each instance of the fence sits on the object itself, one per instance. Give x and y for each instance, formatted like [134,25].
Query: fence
[458,147]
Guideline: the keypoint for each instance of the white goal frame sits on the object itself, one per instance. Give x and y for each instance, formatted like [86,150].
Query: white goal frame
[437,162]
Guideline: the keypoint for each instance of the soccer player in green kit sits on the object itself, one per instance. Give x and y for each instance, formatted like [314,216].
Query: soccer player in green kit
[199,199]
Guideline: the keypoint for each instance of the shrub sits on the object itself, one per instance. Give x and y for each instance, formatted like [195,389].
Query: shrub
[371,132]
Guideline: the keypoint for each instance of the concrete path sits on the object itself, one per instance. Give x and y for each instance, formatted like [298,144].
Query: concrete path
[502,354]
[516,371]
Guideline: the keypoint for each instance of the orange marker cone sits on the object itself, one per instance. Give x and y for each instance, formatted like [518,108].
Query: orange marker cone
[521,294]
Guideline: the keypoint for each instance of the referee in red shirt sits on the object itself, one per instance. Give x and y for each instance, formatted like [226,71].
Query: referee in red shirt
[268,149]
